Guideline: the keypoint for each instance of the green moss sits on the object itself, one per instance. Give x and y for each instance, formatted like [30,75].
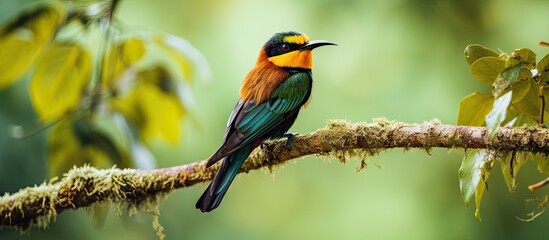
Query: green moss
[158,228]
[370,133]
[122,188]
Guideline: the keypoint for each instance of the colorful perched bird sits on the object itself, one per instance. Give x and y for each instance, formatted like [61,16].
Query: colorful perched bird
[270,98]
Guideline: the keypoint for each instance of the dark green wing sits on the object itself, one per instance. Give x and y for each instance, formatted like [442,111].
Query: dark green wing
[250,122]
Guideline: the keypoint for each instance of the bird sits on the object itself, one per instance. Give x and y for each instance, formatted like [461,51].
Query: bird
[271,96]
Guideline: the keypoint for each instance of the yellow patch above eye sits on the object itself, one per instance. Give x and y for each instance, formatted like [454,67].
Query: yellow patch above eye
[296,39]
[294,59]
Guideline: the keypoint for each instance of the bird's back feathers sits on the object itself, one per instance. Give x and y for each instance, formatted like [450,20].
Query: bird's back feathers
[250,122]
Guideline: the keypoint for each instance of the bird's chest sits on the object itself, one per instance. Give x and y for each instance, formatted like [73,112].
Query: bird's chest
[296,88]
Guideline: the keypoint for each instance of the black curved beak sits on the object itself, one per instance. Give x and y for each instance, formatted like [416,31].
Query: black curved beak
[314,44]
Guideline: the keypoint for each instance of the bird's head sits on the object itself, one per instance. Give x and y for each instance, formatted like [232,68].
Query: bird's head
[292,50]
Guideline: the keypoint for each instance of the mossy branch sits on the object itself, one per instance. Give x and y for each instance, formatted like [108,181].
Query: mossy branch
[84,186]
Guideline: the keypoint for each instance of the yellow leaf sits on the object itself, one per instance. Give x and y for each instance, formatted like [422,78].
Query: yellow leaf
[529,104]
[24,38]
[56,86]
[510,166]
[154,110]
[487,69]
[120,58]
[163,114]
[522,55]
[543,64]
[133,49]
[183,64]
[62,148]
[474,108]
[520,89]
[159,77]
[474,52]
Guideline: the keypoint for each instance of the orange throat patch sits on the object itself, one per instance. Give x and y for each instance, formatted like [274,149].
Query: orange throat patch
[262,80]
[294,59]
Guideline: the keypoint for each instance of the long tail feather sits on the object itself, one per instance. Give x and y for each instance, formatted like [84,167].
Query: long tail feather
[211,198]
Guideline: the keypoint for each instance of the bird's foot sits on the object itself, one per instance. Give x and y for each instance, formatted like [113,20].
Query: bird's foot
[262,145]
[290,137]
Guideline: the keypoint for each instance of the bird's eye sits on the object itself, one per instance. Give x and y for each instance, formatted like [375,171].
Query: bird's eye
[285,47]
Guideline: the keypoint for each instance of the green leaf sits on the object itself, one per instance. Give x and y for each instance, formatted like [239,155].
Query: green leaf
[114,127]
[542,160]
[24,38]
[529,103]
[102,151]
[474,108]
[474,52]
[546,110]
[486,169]
[544,79]
[473,171]
[59,80]
[473,175]
[75,142]
[543,71]
[497,114]
[470,173]
[543,64]
[510,166]
[99,212]
[525,74]
[506,78]
[487,69]
[520,90]
[522,56]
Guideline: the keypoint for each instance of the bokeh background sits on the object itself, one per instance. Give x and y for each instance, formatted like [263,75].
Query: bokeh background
[398,59]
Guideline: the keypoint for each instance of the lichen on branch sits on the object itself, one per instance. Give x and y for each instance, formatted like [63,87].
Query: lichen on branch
[143,189]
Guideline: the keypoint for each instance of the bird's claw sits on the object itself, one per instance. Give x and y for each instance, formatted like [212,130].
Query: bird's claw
[290,138]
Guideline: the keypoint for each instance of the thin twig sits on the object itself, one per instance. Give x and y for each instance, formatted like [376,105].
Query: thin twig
[541,96]
[107,34]
[538,185]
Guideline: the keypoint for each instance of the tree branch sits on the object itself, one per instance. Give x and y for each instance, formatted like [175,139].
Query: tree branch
[141,189]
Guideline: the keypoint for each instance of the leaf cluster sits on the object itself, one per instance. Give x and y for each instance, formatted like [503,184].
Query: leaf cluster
[519,95]
[106,90]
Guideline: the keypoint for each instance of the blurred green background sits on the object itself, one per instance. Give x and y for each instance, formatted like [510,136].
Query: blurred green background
[399,59]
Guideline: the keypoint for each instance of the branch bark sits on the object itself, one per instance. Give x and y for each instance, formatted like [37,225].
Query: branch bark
[137,189]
